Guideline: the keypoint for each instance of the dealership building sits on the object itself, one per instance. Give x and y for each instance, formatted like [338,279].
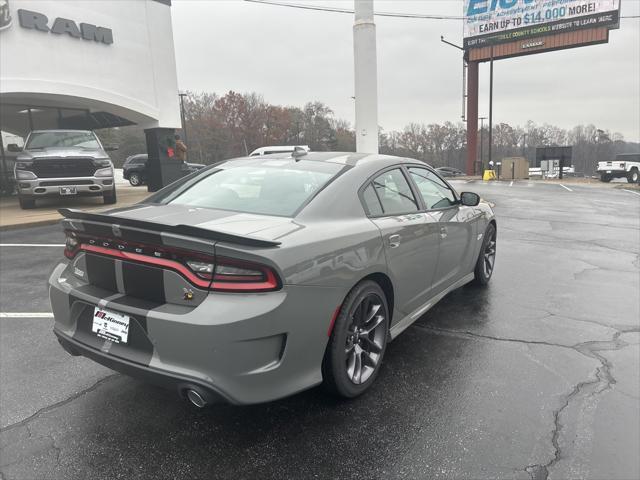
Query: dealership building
[88,64]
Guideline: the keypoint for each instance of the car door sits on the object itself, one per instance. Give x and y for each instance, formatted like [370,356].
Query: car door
[410,236]
[456,225]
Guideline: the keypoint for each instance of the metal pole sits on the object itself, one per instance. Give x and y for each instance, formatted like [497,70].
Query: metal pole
[30,119]
[491,107]
[184,123]
[5,184]
[482,119]
[472,117]
[366,77]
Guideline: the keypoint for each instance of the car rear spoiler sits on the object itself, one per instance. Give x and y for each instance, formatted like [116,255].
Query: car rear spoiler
[185,230]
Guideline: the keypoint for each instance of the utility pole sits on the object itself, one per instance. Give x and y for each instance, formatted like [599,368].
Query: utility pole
[366,77]
[182,118]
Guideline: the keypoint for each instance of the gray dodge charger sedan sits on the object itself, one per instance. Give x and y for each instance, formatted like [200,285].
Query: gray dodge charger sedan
[257,278]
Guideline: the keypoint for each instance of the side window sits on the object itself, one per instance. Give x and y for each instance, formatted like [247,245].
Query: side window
[371,201]
[435,192]
[394,193]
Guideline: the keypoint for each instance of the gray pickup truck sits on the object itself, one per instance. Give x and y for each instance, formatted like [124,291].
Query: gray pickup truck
[63,163]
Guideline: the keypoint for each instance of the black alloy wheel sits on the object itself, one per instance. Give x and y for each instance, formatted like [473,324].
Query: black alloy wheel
[358,341]
[487,257]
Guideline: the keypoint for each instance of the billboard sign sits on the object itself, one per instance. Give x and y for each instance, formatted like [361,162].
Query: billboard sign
[491,22]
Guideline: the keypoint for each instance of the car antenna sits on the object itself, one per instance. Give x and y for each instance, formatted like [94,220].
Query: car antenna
[298,152]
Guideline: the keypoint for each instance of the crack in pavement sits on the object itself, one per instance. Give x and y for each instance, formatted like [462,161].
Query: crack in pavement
[61,403]
[603,381]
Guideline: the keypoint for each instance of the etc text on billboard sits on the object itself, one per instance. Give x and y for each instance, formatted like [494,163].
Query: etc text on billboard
[491,22]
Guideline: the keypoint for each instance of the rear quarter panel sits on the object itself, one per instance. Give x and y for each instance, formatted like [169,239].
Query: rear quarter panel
[326,253]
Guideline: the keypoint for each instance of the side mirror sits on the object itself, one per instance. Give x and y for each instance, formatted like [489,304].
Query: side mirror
[13,147]
[110,148]
[469,199]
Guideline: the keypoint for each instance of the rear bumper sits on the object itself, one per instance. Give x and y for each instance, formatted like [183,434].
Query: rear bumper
[242,348]
[169,380]
[42,187]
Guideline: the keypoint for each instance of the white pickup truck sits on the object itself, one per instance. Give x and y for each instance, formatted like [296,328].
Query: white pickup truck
[626,165]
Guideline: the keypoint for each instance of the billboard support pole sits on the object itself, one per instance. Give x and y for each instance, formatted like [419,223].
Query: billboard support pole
[491,107]
[472,117]
[482,119]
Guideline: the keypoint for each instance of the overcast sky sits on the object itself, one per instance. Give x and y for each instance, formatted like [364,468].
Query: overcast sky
[292,56]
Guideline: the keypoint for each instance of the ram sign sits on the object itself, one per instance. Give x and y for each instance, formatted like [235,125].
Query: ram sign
[491,22]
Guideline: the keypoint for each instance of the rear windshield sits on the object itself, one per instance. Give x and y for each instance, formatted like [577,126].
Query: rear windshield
[269,187]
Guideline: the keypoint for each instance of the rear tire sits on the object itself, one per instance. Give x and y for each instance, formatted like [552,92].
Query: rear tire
[487,257]
[633,176]
[26,203]
[605,178]
[110,197]
[358,341]
[135,180]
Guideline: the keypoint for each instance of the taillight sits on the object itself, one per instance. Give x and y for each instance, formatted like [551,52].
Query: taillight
[204,271]
[229,275]
[71,245]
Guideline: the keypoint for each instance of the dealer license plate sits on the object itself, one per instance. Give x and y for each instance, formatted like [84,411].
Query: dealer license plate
[68,191]
[110,325]
[608,171]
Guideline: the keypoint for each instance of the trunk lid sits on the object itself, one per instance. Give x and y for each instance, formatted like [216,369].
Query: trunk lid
[146,252]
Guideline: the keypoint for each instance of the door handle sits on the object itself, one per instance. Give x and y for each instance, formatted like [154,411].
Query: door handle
[394,241]
[443,232]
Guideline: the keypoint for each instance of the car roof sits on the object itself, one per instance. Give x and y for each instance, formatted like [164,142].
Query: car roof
[343,158]
[59,130]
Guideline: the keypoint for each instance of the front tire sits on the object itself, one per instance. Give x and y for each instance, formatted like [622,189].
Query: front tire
[487,257]
[633,176]
[358,341]
[110,197]
[26,203]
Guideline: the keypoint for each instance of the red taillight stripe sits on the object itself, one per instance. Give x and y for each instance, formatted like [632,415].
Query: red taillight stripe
[158,262]
[270,283]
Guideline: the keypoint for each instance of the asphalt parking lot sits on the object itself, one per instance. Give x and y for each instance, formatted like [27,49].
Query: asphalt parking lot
[537,376]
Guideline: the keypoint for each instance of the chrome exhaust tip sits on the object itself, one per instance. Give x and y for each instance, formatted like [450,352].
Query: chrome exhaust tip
[196,399]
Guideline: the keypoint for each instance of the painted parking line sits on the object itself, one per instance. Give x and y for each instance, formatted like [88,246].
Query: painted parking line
[32,245]
[566,188]
[631,191]
[26,315]
[511,184]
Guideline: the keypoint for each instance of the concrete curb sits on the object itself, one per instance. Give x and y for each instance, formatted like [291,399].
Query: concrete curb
[35,223]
